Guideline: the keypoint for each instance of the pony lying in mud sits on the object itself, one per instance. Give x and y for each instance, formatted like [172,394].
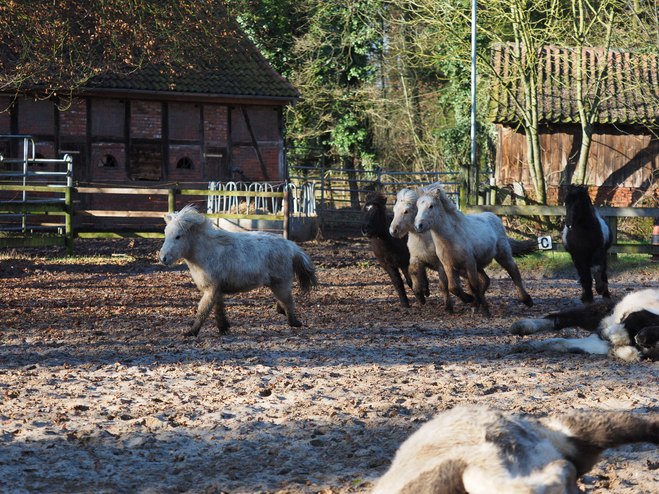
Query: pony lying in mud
[391,252]
[422,248]
[466,242]
[587,238]
[225,262]
[477,450]
[628,329]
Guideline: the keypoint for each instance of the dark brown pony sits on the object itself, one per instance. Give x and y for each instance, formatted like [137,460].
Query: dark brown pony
[392,253]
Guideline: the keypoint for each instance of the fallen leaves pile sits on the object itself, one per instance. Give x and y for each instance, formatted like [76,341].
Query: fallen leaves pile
[99,392]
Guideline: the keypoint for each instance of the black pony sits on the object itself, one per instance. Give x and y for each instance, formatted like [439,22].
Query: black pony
[392,253]
[587,238]
[627,329]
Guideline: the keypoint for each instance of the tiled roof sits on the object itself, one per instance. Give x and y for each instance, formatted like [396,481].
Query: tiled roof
[240,71]
[630,92]
[235,69]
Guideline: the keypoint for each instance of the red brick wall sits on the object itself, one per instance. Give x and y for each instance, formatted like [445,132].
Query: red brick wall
[216,130]
[73,120]
[246,159]
[5,116]
[184,121]
[108,117]
[146,119]
[36,117]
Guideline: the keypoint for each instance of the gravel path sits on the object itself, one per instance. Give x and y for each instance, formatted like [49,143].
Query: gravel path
[100,393]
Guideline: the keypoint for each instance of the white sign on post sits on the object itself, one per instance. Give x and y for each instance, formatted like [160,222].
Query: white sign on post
[544,243]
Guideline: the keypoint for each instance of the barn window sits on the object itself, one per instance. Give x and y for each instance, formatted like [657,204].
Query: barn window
[108,161]
[184,163]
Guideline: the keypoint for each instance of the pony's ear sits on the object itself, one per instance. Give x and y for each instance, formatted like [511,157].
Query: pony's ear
[168,218]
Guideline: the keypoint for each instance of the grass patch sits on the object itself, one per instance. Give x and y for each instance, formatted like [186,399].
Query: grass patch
[548,264]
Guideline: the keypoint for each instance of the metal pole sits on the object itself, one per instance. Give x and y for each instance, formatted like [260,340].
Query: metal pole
[68,220]
[473,99]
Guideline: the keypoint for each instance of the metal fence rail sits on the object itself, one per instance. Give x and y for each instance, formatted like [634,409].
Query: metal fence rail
[50,183]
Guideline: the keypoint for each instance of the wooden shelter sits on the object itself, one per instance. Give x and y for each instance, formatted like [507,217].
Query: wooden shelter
[624,156]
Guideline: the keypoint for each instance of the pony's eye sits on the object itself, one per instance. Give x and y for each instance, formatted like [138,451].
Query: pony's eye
[178,237]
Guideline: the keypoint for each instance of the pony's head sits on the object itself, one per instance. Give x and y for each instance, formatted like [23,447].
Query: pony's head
[432,206]
[578,206]
[179,231]
[375,222]
[404,213]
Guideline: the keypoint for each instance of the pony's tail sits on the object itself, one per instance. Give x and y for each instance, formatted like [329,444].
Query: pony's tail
[522,248]
[305,271]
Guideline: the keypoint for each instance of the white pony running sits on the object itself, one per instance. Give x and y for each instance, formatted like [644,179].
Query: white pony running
[421,245]
[466,242]
[226,262]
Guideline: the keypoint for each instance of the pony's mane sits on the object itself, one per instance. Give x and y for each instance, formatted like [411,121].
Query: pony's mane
[190,219]
[377,198]
[437,191]
[408,196]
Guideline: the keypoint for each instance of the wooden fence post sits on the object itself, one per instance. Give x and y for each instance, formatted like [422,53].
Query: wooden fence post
[287,213]
[68,221]
[171,201]
[613,226]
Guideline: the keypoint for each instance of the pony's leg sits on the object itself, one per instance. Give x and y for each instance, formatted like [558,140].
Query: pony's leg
[285,303]
[408,278]
[397,281]
[593,345]
[208,300]
[507,263]
[587,317]
[443,283]
[220,318]
[417,272]
[585,278]
[477,290]
[455,288]
[601,280]
[484,279]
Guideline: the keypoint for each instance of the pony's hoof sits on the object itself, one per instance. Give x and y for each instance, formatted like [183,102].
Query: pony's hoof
[191,333]
[528,302]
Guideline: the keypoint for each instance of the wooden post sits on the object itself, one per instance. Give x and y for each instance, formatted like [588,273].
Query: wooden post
[613,226]
[287,213]
[68,223]
[171,201]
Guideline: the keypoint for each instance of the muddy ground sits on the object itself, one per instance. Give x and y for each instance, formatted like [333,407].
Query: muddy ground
[100,393]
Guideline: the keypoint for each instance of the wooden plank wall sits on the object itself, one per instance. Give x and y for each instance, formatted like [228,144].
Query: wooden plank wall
[618,157]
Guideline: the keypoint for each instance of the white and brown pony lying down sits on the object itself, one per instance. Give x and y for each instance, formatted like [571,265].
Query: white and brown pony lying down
[628,329]
[227,262]
[476,450]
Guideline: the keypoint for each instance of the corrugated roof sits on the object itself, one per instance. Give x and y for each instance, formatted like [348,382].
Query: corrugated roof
[629,95]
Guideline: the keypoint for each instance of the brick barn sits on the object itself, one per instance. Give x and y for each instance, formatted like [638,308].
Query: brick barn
[624,156]
[154,129]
